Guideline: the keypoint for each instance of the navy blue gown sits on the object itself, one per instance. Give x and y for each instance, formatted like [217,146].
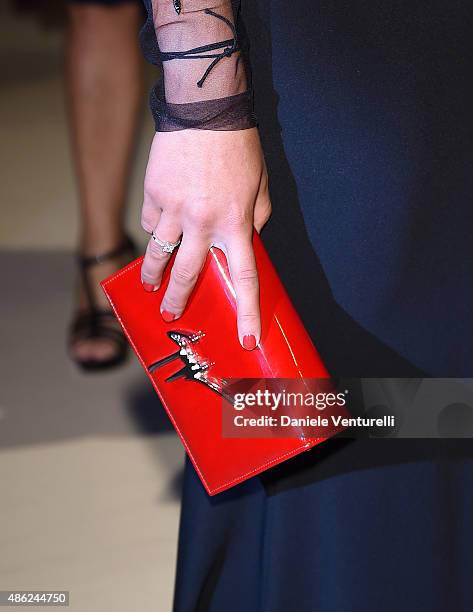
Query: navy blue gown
[365,112]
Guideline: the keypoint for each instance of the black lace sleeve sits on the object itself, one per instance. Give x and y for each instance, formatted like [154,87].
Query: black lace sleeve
[204,83]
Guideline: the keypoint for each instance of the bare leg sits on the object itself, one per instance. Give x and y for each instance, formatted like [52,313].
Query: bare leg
[104,87]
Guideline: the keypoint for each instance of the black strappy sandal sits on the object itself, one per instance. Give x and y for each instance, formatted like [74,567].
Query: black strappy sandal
[98,322]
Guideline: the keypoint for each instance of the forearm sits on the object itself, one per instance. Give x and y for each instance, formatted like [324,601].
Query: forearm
[191,29]
[204,84]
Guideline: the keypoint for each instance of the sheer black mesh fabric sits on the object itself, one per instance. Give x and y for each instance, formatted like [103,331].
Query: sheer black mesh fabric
[230,113]
[207,89]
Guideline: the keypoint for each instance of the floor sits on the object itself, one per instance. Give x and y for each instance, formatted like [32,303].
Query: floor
[89,466]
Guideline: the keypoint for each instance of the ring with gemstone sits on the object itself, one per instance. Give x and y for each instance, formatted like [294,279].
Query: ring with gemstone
[166,247]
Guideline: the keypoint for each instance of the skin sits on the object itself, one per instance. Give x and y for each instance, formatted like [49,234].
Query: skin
[211,187]
[103,109]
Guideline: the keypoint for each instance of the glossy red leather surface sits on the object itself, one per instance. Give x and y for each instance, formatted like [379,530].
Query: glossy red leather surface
[195,410]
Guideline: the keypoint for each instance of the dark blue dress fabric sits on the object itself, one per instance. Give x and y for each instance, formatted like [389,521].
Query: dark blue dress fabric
[367,539]
[373,101]
[365,111]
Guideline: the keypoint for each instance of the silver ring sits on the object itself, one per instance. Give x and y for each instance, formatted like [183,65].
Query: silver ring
[166,247]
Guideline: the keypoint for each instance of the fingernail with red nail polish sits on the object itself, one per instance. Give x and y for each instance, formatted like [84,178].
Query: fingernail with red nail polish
[168,316]
[249,342]
[149,287]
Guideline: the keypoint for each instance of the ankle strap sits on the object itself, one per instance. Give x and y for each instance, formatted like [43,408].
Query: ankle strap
[126,246]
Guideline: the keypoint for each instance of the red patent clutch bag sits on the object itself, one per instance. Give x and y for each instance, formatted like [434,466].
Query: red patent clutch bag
[205,339]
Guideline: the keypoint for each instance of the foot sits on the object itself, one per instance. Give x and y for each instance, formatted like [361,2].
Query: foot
[97,339]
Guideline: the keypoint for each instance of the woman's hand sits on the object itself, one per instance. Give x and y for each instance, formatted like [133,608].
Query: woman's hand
[211,187]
